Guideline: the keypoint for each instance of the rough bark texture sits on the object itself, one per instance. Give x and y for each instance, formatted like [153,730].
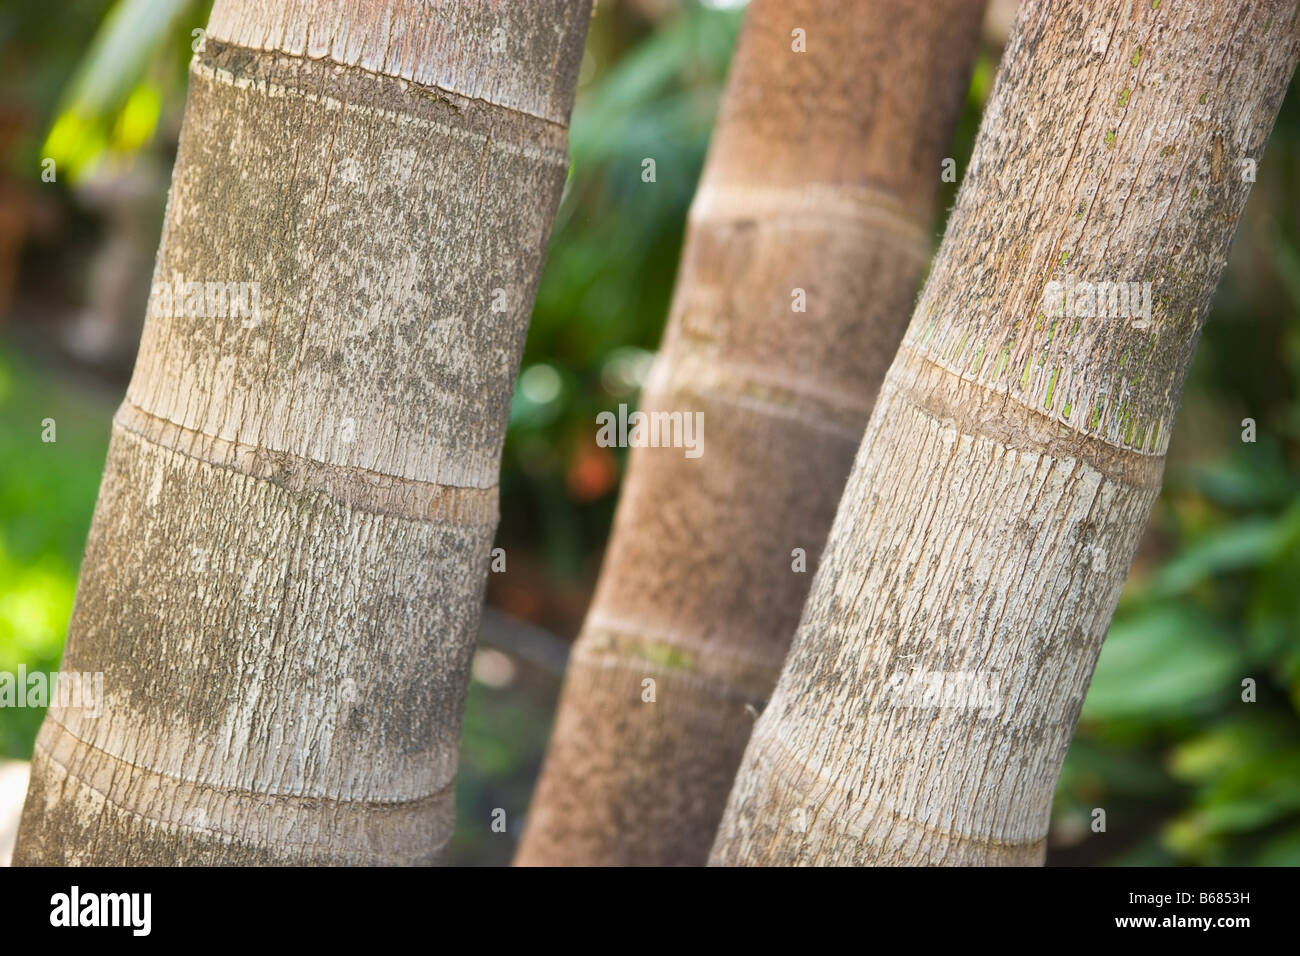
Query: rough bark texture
[1013,457]
[283,576]
[821,177]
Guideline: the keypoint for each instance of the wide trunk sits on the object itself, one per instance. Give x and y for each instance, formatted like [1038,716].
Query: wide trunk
[807,241]
[1018,443]
[282,580]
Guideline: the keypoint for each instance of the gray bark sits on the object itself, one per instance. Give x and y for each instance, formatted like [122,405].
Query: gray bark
[821,178]
[1014,454]
[283,576]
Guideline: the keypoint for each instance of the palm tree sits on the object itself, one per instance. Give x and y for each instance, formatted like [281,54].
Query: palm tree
[808,238]
[283,577]
[1018,443]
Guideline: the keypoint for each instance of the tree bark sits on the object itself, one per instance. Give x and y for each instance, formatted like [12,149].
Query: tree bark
[821,178]
[1016,449]
[282,580]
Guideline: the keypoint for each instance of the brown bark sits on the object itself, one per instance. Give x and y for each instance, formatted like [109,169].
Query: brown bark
[821,177]
[1016,449]
[282,580]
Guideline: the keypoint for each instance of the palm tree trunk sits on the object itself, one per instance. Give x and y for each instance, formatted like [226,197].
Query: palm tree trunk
[283,576]
[820,184]
[1017,446]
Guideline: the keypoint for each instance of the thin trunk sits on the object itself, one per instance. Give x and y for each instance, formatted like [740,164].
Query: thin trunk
[1017,447]
[820,186]
[282,580]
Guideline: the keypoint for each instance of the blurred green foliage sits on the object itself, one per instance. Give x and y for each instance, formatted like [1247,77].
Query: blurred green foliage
[1170,744]
[604,293]
[501,750]
[47,494]
[99,95]
[1186,771]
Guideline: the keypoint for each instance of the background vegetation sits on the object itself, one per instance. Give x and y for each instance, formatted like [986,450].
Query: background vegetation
[1186,771]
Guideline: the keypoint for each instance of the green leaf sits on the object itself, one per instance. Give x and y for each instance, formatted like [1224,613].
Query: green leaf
[1260,478]
[1252,795]
[132,33]
[1094,771]
[1229,745]
[1246,544]
[107,100]
[1162,661]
